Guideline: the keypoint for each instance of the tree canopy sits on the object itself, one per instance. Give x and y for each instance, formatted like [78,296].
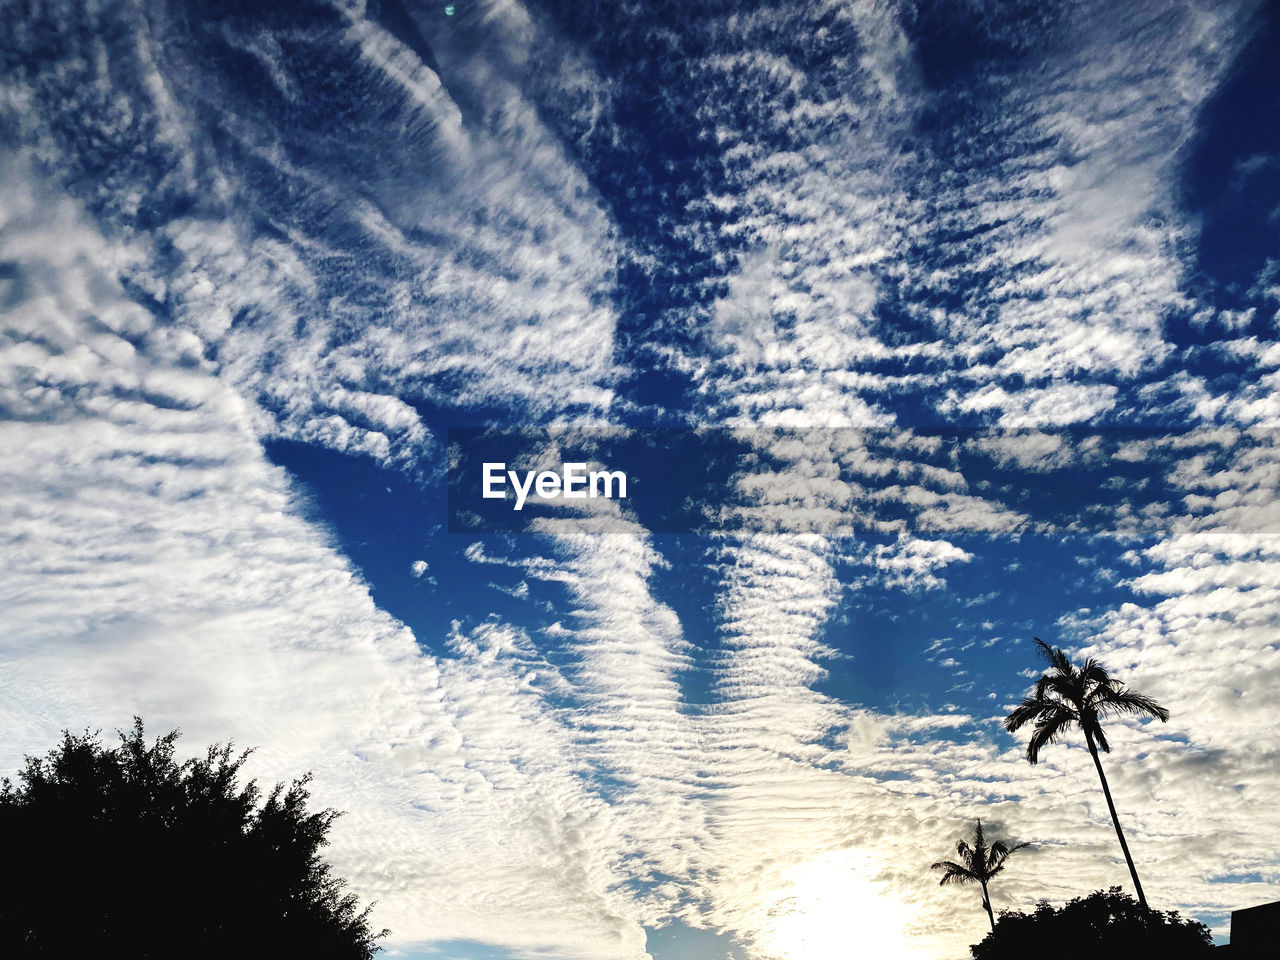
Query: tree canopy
[1103,924]
[126,851]
[978,863]
[1067,696]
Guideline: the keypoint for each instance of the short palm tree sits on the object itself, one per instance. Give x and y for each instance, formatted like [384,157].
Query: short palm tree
[978,864]
[1068,696]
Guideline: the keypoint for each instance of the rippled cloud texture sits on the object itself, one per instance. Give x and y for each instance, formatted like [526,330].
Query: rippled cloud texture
[255,260]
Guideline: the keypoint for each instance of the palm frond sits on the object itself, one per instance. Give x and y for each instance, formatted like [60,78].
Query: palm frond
[1045,651]
[1029,709]
[1000,852]
[978,861]
[955,873]
[1054,656]
[1095,673]
[1066,694]
[1117,700]
[1052,684]
[1065,685]
[1099,735]
[1049,729]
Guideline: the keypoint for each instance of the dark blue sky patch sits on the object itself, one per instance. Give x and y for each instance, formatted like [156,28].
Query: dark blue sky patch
[1231,174]
[384,522]
[959,43]
[916,649]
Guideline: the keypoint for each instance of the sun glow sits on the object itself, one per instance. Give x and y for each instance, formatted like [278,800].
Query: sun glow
[830,912]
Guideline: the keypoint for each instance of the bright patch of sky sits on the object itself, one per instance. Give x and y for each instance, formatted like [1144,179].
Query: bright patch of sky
[257,260]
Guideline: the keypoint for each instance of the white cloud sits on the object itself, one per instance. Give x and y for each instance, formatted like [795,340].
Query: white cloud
[486,268]
[158,564]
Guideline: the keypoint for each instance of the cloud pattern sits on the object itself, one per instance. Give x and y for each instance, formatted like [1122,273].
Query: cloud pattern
[351,225]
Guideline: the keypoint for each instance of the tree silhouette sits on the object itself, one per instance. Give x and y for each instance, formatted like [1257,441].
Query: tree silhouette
[125,851]
[1068,696]
[978,864]
[1110,924]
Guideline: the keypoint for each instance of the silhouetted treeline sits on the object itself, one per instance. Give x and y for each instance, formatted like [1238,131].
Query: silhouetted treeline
[1101,925]
[1068,697]
[126,852]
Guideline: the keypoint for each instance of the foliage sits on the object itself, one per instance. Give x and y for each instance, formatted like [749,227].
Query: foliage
[125,851]
[1103,924]
[1067,696]
[978,863]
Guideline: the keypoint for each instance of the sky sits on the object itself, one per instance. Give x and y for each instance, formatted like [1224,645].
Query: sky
[923,329]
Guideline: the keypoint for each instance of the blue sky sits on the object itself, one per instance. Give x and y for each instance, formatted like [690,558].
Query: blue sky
[924,329]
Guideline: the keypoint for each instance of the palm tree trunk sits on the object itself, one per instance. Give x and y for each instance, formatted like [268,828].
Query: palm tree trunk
[986,902]
[1106,790]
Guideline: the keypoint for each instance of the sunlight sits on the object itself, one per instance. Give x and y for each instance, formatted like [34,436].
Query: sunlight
[829,912]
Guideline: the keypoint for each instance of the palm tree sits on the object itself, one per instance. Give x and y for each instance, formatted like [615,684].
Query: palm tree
[1068,696]
[978,864]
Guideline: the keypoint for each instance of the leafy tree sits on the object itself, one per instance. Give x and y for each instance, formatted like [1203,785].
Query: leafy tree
[978,864]
[1067,696]
[1110,924]
[127,852]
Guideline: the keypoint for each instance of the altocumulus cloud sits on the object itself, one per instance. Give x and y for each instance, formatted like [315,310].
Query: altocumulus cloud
[351,225]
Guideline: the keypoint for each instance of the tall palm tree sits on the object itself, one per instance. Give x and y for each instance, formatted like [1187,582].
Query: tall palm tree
[978,864]
[1068,696]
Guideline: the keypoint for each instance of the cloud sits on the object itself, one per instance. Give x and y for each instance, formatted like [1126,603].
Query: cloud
[273,234]
[160,565]
[440,242]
